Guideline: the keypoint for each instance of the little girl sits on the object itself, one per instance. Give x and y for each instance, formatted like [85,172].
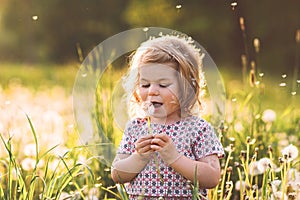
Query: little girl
[166,140]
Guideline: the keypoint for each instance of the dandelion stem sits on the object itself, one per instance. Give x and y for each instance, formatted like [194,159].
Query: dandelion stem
[155,157]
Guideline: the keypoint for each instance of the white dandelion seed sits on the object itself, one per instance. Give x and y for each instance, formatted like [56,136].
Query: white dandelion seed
[268,116]
[30,150]
[28,164]
[275,185]
[35,17]
[148,108]
[253,169]
[291,152]
[278,196]
[239,185]
[263,164]
[238,127]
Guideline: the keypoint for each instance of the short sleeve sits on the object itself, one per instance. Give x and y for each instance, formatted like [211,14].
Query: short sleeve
[206,142]
[133,130]
[126,145]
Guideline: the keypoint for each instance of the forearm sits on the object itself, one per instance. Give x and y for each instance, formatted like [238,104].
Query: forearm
[126,167]
[121,176]
[207,174]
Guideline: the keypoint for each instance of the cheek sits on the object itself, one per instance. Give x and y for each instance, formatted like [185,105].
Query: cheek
[175,93]
[142,93]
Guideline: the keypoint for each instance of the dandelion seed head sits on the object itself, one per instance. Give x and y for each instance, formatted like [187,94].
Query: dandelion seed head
[28,164]
[290,152]
[275,185]
[268,116]
[263,164]
[251,142]
[238,185]
[238,127]
[30,150]
[148,108]
[278,196]
[229,148]
[253,169]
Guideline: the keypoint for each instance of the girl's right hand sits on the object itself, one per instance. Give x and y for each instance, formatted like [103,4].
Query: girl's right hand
[143,144]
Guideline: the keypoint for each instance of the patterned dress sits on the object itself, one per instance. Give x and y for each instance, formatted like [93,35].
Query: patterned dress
[193,137]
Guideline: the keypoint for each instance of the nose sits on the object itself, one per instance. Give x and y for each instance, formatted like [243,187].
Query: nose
[153,90]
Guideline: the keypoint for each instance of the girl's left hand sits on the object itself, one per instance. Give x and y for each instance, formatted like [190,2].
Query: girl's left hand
[164,145]
[160,141]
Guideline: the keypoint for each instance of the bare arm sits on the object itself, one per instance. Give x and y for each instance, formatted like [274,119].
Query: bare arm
[121,172]
[126,167]
[208,168]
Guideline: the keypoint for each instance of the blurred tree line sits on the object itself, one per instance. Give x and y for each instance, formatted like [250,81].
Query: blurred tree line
[39,31]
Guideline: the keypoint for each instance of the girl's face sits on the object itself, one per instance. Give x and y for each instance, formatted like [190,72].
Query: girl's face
[159,85]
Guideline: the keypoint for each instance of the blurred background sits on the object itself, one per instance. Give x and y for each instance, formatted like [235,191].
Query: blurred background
[254,43]
[43,32]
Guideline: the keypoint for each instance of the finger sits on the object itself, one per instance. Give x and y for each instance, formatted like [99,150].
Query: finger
[145,149]
[162,137]
[155,147]
[158,141]
[145,143]
[146,137]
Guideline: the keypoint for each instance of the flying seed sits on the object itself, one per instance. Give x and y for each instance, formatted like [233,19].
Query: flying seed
[35,17]
[282,84]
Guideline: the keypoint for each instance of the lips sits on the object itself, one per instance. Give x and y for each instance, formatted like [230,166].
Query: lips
[156,104]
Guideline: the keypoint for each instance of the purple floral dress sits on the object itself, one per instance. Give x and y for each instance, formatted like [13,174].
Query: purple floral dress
[193,137]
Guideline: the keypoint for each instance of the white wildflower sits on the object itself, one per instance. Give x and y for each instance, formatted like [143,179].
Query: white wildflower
[148,108]
[64,195]
[239,185]
[278,196]
[253,169]
[30,150]
[294,179]
[28,164]
[238,127]
[290,152]
[92,197]
[268,116]
[275,185]
[263,164]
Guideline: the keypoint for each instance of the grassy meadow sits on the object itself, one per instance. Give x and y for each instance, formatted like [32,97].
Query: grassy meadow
[41,156]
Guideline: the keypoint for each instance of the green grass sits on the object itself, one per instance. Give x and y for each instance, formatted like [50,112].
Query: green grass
[248,139]
[37,76]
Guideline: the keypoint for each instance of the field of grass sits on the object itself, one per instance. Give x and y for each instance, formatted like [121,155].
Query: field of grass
[41,156]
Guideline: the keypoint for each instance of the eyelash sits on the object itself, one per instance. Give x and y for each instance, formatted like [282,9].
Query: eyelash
[148,85]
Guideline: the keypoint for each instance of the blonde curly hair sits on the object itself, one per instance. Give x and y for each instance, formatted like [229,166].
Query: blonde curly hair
[168,49]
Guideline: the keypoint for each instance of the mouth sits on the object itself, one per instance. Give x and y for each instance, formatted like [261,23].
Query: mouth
[156,104]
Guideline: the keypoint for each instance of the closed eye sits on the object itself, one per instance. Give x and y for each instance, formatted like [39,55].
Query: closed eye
[164,85]
[145,85]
